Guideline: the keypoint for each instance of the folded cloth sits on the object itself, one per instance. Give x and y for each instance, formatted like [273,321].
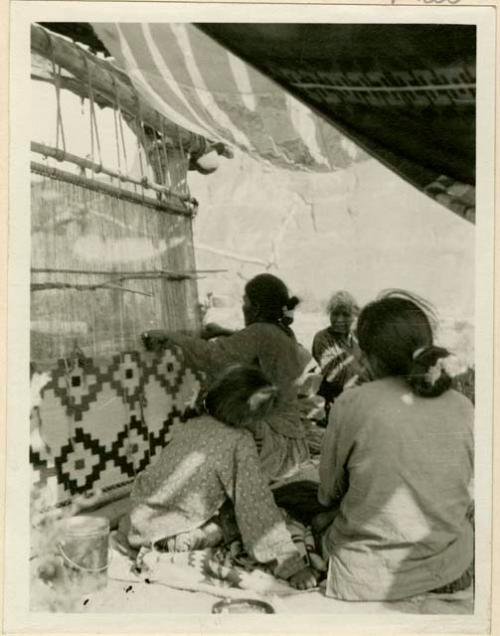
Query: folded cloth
[227,564]
[214,571]
[208,536]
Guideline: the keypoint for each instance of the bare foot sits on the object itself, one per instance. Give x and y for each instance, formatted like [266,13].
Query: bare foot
[304,579]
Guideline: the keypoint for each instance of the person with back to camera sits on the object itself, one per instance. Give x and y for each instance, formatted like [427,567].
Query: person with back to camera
[397,465]
[268,342]
[210,460]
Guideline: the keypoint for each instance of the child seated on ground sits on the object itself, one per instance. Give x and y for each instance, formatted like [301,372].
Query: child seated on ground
[210,460]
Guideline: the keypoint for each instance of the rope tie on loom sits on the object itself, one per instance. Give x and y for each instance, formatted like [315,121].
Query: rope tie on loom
[56,71]
[141,125]
[158,158]
[93,119]
[168,181]
[115,121]
[120,125]
[184,188]
[140,136]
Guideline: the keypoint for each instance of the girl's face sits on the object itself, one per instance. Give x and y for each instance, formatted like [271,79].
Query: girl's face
[342,319]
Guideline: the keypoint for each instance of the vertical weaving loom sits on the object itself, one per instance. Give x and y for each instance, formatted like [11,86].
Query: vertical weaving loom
[104,268]
[111,256]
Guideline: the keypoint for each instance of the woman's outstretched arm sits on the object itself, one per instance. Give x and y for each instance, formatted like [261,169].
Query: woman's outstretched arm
[209,356]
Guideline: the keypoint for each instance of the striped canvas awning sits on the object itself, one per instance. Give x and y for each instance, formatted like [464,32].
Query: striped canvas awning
[411,105]
[406,93]
[201,86]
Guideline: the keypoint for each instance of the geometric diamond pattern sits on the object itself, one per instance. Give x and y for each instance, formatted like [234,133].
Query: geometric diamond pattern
[77,387]
[126,376]
[108,444]
[130,451]
[80,463]
[168,369]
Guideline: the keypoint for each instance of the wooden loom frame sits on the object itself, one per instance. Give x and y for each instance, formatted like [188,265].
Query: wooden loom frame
[110,87]
[99,81]
[174,204]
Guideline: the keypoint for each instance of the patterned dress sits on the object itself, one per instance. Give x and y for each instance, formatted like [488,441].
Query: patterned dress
[281,437]
[339,359]
[206,464]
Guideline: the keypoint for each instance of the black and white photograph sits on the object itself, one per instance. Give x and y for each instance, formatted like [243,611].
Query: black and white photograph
[251,272]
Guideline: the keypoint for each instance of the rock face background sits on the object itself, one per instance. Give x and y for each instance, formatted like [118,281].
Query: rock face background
[361,228]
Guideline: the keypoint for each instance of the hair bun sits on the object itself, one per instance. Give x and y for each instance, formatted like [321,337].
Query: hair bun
[428,377]
[263,400]
[429,355]
[288,311]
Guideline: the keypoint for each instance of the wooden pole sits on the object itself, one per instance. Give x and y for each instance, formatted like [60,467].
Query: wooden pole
[74,58]
[86,164]
[110,272]
[169,203]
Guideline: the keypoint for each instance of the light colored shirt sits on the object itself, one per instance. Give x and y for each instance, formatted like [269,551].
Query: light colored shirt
[399,468]
[205,463]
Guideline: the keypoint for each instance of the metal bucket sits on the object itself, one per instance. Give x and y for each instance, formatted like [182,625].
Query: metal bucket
[84,546]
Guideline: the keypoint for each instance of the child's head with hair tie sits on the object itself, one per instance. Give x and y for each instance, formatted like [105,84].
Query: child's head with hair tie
[240,395]
[395,333]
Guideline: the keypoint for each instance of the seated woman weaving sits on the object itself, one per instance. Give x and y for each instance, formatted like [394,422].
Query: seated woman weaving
[268,342]
[210,460]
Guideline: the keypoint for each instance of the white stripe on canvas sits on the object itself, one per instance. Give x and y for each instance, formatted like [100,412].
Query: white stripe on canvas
[303,121]
[204,94]
[159,103]
[239,71]
[168,77]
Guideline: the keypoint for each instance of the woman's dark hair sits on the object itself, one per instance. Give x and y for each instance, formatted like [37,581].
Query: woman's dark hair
[240,394]
[270,295]
[397,332]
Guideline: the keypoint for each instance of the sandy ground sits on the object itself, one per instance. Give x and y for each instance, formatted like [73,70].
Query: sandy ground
[156,598]
[124,594]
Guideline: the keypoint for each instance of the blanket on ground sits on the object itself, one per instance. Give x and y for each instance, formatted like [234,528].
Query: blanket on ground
[187,572]
[223,567]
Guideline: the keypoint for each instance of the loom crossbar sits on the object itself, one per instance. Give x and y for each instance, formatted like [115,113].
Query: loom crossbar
[171,203]
[86,164]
